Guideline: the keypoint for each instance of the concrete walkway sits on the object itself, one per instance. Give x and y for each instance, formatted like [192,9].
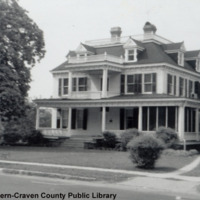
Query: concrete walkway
[174,175]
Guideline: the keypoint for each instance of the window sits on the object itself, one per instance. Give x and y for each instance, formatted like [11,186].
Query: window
[150,82]
[134,83]
[65,86]
[131,55]
[132,118]
[181,58]
[181,86]
[190,88]
[154,117]
[198,65]
[186,88]
[171,84]
[79,119]
[62,86]
[190,119]
[79,84]
[122,88]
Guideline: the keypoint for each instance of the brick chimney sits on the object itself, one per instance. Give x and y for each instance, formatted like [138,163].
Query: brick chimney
[115,32]
[149,30]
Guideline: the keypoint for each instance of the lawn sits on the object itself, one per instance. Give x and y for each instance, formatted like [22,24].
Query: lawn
[88,158]
[195,172]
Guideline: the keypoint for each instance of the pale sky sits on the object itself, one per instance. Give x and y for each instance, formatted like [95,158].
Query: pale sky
[66,23]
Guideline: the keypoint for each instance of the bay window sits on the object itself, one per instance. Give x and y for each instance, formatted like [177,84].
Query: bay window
[150,82]
[62,86]
[171,84]
[79,84]
[134,83]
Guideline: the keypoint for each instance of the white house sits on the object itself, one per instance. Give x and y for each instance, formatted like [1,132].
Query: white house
[120,83]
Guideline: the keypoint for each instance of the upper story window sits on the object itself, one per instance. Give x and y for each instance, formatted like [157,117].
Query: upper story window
[79,84]
[150,82]
[181,58]
[134,83]
[132,48]
[131,55]
[191,93]
[198,65]
[62,86]
[171,84]
[181,86]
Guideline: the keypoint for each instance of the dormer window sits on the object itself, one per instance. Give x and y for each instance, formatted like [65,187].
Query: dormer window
[131,55]
[198,65]
[181,58]
[132,47]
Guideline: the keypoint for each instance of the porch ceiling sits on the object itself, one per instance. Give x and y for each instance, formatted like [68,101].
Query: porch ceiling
[120,101]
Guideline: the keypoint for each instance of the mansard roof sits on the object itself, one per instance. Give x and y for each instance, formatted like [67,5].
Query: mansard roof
[172,46]
[89,48]
[192,54]
[152,53]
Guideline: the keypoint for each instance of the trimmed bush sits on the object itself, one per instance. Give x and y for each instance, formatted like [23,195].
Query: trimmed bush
[168,136]
[110,139]
[127,136]
[35,138]
[145,150]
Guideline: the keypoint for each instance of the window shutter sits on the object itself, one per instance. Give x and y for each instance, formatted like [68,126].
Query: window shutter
[85,117]
[122,84]
[154,82]
[73,118]
[86,84]
[168,84]
[196,89]
[59,87]
[122,113]
[174,85]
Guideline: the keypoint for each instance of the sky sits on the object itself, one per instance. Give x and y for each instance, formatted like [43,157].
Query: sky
[66,23]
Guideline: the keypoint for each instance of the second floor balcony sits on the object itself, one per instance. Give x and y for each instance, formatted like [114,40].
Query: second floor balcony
[96,58]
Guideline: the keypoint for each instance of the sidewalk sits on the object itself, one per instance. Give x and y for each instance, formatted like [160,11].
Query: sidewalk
[172,182]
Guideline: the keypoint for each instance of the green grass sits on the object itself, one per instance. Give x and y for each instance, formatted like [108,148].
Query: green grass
[88,158]
[195,172]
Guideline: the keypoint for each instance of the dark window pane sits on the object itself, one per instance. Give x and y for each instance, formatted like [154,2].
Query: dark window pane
[144,118]
[152,118]
[161,116]
[171,117]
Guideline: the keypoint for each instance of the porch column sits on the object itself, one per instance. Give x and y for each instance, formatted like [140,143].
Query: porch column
[104,83]
[69,84]
[140,119]
[69,120]
[197,125]
[181,119]
[54,118]
[103,123]
[37,118]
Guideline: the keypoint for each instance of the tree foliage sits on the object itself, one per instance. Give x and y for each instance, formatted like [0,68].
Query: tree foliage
[21,46]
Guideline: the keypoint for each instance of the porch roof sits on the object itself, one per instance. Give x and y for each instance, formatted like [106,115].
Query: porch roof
[120,101]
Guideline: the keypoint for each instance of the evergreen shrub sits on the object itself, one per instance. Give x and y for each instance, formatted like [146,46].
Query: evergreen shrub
[145,150]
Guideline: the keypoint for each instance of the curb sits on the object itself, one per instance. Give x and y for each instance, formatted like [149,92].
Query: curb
[44,174]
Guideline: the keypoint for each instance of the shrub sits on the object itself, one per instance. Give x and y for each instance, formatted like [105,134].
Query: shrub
[168,136]
[127,136]
[11,138]
[178,153]
[109,139]
[35,138]
[145,150]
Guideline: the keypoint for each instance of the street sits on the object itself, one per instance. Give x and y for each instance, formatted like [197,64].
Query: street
[28,187]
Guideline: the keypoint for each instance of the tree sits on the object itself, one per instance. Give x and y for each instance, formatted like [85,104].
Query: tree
[21,46]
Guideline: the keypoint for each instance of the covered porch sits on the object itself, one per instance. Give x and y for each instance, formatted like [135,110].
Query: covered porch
[90,118]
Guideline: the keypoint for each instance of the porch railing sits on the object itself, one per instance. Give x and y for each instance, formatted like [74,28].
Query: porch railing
[96,58]
[56,133]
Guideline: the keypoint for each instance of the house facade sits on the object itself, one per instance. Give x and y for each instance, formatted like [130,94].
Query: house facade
[119,83]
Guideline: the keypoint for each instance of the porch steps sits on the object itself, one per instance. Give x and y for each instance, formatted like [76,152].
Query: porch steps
[76,142]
